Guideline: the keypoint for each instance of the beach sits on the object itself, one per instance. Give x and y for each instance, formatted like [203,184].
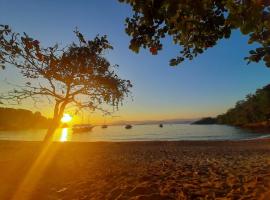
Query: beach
[136,170]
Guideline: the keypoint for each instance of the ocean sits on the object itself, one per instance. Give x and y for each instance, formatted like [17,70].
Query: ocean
[170,132]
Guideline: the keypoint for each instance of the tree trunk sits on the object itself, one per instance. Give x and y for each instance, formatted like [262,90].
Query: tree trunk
[49,135]
[58,113]
[54,125]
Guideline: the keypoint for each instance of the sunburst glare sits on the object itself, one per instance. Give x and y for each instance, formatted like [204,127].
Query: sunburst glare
[66,118]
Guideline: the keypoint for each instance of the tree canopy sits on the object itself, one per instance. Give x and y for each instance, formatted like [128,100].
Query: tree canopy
[198,25]
[77,75]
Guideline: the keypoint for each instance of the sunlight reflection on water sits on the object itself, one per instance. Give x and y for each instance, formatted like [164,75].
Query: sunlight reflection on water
[64,135]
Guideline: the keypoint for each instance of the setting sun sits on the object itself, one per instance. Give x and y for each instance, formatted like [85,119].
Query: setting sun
[66,118]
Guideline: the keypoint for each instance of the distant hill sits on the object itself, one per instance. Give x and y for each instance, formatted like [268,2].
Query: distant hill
[253,111]
[21,119]
[255,108]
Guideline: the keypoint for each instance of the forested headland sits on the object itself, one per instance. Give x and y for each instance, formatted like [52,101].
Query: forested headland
[21,119]
[252,112]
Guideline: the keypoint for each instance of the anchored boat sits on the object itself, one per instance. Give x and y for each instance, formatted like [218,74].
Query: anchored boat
[128,126]
[82,128]
[104,126]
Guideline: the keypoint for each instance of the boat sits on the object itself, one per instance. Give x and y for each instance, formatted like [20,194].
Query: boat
[82,128]
[128,126]
[161,125]
[104,126]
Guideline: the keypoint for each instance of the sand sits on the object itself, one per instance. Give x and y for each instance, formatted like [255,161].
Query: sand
[136,170]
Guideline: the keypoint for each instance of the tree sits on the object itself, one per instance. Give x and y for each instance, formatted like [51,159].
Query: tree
[198,25]
[78,74]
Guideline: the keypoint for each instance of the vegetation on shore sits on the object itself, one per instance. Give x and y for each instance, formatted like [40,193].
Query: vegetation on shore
[252,112]
[21,119]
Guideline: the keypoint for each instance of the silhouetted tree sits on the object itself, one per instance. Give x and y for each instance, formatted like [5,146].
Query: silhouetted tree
[78,74]
[198,24]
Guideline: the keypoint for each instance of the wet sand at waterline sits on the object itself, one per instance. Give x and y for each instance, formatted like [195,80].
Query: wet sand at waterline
[136,170]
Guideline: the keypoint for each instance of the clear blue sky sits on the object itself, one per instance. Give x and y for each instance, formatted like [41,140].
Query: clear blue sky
[206,86]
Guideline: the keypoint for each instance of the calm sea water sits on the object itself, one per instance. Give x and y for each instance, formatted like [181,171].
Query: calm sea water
[171,132]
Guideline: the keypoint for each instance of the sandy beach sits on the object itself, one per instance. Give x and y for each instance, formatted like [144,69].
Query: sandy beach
[136,170]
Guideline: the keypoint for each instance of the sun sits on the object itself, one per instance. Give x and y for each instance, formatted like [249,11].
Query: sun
[66,118]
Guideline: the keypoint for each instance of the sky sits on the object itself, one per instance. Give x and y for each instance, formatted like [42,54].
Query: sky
[206,86]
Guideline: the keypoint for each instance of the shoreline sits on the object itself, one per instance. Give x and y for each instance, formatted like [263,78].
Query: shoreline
[262,137]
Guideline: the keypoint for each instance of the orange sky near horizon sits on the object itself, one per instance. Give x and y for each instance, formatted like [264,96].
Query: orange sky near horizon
[125,113]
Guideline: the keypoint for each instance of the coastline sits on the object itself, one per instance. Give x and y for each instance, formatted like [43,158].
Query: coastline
[140,170]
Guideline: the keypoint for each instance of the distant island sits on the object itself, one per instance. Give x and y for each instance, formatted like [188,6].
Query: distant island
[22,119]
[252,112]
